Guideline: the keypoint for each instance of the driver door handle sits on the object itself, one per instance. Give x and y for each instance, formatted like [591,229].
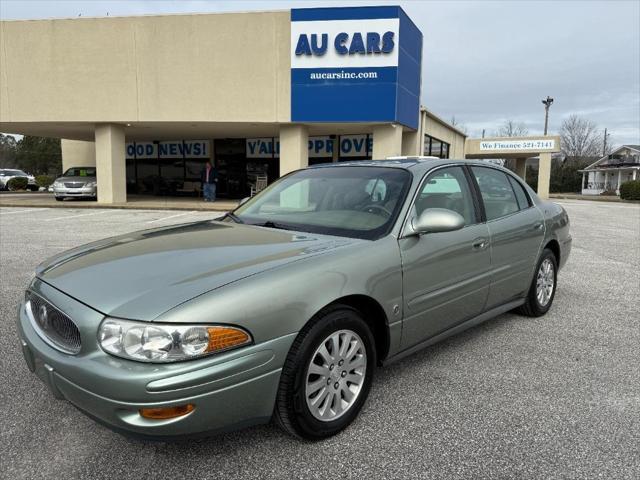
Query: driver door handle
[480,243]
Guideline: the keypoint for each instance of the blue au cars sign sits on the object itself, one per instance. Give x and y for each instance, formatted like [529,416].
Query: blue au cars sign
[358,64]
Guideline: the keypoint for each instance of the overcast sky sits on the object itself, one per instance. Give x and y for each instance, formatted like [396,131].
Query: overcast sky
[483,61]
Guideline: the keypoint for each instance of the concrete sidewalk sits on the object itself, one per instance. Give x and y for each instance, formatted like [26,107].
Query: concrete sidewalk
[577,196]
[136,202]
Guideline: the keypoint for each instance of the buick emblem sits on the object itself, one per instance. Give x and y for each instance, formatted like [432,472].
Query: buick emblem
[43,317]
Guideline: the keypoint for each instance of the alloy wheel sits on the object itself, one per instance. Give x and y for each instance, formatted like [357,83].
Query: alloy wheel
[335,375]
[545,282]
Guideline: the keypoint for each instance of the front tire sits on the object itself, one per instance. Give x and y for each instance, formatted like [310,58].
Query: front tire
[543,287]
[59,199]
[327,375]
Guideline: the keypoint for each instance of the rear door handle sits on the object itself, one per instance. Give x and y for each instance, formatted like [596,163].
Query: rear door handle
[480,243]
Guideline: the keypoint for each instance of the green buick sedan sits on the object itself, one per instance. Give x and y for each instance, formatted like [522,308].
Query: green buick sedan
[282,309]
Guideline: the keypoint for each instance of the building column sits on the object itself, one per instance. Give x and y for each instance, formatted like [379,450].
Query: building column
[544,175]
[111,170]
[619,181]
[521,167]
[410,143]
[77,153]
[582,187]
[634,173]
[387,141]
[335,149]
[294,148]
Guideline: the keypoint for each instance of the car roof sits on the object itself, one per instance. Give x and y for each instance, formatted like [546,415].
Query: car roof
[398,162]
[416,164]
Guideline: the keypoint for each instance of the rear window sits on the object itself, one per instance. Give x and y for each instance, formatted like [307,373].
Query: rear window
[521,195]
[497,194]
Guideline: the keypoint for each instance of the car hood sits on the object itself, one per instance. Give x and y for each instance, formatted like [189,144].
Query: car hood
[76,179]
[143,274]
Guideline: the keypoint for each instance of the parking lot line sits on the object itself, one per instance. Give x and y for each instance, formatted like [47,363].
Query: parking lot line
[76,216]
[171,216]
[22,211]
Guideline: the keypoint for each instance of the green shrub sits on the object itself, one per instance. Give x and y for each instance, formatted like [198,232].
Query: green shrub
[630,190]
[17,183]
[44,180]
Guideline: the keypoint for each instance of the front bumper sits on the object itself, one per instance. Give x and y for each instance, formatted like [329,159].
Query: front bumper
[229,390]
[75,192]
[565,250]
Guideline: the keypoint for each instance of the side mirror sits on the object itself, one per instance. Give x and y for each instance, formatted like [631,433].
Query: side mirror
[435,220]
[244,200]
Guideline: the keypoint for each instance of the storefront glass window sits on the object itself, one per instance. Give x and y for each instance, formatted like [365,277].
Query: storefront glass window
[435,148]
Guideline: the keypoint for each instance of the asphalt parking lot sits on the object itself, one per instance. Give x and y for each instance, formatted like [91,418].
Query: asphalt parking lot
[552,397]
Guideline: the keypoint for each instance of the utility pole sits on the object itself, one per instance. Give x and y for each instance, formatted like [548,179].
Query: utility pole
[483,133]
[604,145]
[547,103]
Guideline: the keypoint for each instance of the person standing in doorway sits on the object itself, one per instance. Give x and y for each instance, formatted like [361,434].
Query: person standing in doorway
[209,178]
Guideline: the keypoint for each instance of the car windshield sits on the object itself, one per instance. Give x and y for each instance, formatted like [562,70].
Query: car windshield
[354,201]
[80,172]
[12,173]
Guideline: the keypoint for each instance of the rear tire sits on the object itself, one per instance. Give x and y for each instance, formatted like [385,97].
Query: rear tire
[327,375]
[543,287]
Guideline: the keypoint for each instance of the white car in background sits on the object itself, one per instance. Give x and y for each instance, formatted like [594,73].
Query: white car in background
[76,182]
[7,174]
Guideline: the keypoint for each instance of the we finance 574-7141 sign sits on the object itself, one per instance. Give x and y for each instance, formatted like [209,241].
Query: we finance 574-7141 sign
[530,144]
[358,64]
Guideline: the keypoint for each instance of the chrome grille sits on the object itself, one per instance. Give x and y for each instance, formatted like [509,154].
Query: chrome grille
[74,184]
[52,325]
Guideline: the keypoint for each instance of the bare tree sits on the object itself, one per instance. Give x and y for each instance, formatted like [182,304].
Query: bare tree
[580,138]
[512,129]
[456,123]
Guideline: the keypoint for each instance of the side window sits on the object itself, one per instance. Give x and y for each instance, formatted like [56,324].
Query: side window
[521,195]
[447,188]
[497,194]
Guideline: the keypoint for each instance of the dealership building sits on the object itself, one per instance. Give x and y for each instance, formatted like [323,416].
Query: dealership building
[149,99]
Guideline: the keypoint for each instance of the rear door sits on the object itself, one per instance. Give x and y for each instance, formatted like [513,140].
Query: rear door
[516,229]
[445,275]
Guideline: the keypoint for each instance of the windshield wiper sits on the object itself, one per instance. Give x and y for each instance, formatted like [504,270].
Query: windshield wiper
[270,224]
[233,217]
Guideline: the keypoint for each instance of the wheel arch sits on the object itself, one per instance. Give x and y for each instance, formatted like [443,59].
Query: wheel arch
[554,246]
[374,315]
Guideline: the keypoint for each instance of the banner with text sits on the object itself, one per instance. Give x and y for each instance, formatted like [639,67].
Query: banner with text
[319,147]
[169,150]
[533,144]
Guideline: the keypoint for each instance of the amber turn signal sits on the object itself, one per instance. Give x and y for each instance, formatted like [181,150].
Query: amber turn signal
[163,413]
[223,338]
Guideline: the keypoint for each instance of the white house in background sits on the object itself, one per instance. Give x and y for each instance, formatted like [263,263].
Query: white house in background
[609,172]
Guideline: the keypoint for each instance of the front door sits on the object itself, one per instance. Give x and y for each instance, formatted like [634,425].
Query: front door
[445,275]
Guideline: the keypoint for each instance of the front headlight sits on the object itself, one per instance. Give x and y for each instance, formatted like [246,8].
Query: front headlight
[57,184]
[90,184]
[157,342]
